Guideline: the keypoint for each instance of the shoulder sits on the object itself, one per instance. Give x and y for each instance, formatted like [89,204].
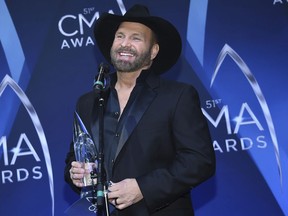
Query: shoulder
[85,101]
[174,86]
[86,97]
[156,81]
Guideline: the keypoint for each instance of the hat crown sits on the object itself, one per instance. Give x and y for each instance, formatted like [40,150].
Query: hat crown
[137,11]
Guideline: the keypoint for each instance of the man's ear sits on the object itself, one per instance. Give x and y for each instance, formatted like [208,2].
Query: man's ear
[155,50]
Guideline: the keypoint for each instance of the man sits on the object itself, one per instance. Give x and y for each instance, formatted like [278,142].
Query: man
[157,143]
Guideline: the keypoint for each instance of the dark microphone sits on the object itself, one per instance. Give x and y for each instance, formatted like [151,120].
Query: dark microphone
[100,81]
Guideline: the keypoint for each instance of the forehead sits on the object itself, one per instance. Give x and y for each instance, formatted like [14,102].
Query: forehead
[134,28]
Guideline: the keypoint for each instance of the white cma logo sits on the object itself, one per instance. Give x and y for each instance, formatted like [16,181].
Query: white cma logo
[228,51]
[18,150]
[73,26]
[8,81]
[20,174]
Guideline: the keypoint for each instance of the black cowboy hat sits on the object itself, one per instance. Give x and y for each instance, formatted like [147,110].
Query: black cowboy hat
[168,37]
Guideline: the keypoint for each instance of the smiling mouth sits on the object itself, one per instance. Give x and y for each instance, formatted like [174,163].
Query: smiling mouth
[126,54]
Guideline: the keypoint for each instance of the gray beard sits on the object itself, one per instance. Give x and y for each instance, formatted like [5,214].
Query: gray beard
[125,66]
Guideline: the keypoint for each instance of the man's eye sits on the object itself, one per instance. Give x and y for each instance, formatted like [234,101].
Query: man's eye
[119,36]
[136,39]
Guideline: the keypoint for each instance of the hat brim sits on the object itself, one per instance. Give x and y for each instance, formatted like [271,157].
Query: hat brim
[169,40]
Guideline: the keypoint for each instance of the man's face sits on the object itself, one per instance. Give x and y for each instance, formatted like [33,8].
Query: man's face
[132,48]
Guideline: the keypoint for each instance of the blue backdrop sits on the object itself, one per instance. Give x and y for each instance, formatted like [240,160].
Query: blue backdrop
[234,53]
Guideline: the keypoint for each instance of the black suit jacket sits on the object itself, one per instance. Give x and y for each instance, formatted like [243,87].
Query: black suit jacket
[165,145]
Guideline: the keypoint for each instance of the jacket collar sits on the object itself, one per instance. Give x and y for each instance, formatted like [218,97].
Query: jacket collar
[142,102]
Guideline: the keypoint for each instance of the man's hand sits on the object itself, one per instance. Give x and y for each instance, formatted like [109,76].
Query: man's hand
[124,193]
[77,173]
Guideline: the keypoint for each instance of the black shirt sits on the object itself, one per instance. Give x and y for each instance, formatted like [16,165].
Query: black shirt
[113,122]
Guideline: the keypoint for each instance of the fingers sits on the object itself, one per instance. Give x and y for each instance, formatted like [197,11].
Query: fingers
[77,173]
[76,164]
[117,203]
[120,203]
[124,193]
[114,194]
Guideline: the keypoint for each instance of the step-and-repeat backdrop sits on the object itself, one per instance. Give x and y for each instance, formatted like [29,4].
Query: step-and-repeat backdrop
[234,53]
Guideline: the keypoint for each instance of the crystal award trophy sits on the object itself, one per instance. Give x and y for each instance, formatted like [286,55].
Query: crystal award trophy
[85,152]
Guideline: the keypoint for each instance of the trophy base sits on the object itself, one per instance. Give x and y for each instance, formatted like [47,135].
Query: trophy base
[87,205]
[88,192]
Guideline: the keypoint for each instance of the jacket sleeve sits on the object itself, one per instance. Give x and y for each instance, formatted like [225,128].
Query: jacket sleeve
[194,160]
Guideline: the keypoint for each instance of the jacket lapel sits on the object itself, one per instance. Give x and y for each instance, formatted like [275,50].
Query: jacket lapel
[136,112]
[140,105]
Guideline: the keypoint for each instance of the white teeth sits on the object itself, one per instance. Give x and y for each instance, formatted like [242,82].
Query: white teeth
[126,54]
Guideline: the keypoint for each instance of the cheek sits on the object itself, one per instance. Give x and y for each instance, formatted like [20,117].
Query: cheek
[114,49]
[113,46]
[116,43]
